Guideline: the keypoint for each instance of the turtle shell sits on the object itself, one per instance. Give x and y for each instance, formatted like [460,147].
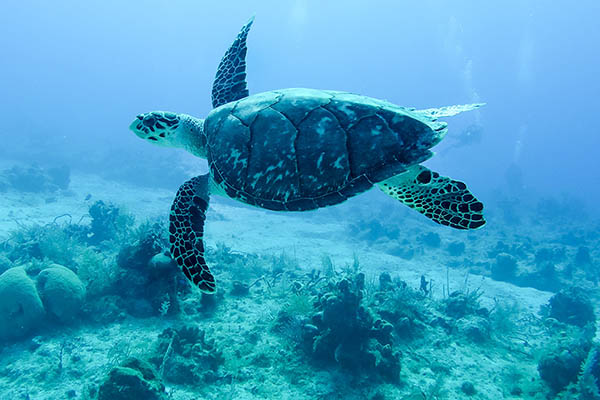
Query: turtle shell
[301,149]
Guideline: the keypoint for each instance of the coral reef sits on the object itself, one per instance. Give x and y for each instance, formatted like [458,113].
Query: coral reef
[572,306]
[21,309]
[588,382]
[103,269]
[107,222]
[345,332]
[185,356]
[61,291]
[5,263]
[544,265]
[468,388]
[475,328]
[505,268]
[582,257]
[519,250]
[35,179]
[560,365]
[60,176]
[468,318]
[456,249]
[147,278]
[137,256]
[134,379]
[372,230]
[569,365]
[402,306]
[292,326]
[461,303]
[431,239]
[403,250]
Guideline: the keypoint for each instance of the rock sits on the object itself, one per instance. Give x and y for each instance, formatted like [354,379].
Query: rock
[135,379]
[21,309]
[61,291]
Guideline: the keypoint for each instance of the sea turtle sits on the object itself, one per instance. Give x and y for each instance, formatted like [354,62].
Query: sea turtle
[298,150]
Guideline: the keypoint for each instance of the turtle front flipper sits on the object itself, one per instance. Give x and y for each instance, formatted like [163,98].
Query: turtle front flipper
[186,229]
[230,81]
[439,198]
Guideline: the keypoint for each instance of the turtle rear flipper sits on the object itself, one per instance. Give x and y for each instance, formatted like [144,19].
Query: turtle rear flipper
[439,198]
[186,229]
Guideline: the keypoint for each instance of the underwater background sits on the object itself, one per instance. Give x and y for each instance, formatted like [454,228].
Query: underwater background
[364,300]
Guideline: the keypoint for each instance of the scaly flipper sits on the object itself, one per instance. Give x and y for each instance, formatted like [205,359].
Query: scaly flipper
[443,200]
[230,81]
[186,229]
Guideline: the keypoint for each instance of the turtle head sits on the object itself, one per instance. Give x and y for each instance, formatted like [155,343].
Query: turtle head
[168,129]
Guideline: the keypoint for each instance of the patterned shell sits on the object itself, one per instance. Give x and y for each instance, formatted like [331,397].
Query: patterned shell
[300,149]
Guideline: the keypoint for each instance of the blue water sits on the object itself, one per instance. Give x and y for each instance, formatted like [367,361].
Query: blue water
[73,75]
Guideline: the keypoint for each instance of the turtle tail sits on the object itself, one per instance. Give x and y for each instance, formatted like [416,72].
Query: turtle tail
[186,230]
